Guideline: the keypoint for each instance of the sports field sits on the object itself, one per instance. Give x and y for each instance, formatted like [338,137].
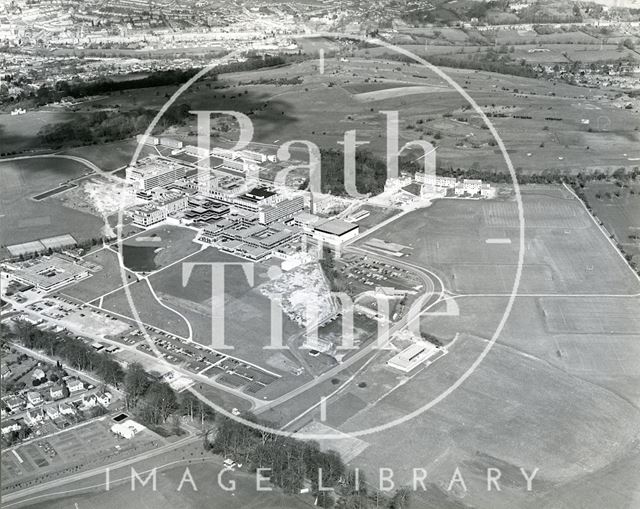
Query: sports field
[85,445]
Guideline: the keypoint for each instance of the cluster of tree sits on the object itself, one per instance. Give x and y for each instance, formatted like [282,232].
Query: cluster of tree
[75,352]
[152,400]
[106,126]
[328,266]
[551,176]
[371,172]
[296,80]
[14,437]
[172,77]
[296,464]
[491,61]
[431,339]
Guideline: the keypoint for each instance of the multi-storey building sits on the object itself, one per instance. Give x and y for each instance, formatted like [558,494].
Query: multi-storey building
[148,214]
[281,210]
[154,172]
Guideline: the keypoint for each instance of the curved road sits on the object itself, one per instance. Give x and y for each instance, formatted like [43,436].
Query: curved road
[431,295]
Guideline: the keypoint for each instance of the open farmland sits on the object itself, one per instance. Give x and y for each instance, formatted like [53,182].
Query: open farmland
[25,219]
[564,250]
[321,107]
[110,156]
[619,210]
[19,133]
[562,373]
[512,391]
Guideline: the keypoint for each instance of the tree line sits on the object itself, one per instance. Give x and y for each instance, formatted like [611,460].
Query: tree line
[551,176]
[490,61]
[295,464]
[371,172]
[107,126]
[171,77]
[150,399]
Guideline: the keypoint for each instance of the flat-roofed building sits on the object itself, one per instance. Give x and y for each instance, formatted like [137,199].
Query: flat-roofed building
[153,172]
[234,164]
[147,140]
[195,151]
[335,231]
[436,180]
[281,210]
[171,143]
[469,186]
[412,356]
[49,272]
[127,429]
[256,198]
[148,214]
[305,220]
[172,202]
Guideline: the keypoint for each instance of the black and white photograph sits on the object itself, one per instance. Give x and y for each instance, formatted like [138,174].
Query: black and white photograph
[350,254]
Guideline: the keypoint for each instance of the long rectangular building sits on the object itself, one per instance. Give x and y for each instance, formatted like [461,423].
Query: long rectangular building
[154,172]
[281,210]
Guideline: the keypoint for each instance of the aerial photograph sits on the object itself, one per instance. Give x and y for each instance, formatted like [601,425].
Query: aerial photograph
[351,254]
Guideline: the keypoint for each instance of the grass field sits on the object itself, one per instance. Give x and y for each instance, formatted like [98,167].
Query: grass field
[84,445]
[564,250]
[324,106]
[559,389]
[25,219]
[148,309]
[101,282]
[19,132]
[110,156]
[162,245]
[620,214]
[247,311]
[204,475]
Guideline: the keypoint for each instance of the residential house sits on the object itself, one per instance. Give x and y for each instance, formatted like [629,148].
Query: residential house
[34,416]
[75,386]
[52,412]
[9,426]
[66,409]
[34,398]
[56,392]
[89,401]
[104,399]
[14,403]
[38,375]
[5,371]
